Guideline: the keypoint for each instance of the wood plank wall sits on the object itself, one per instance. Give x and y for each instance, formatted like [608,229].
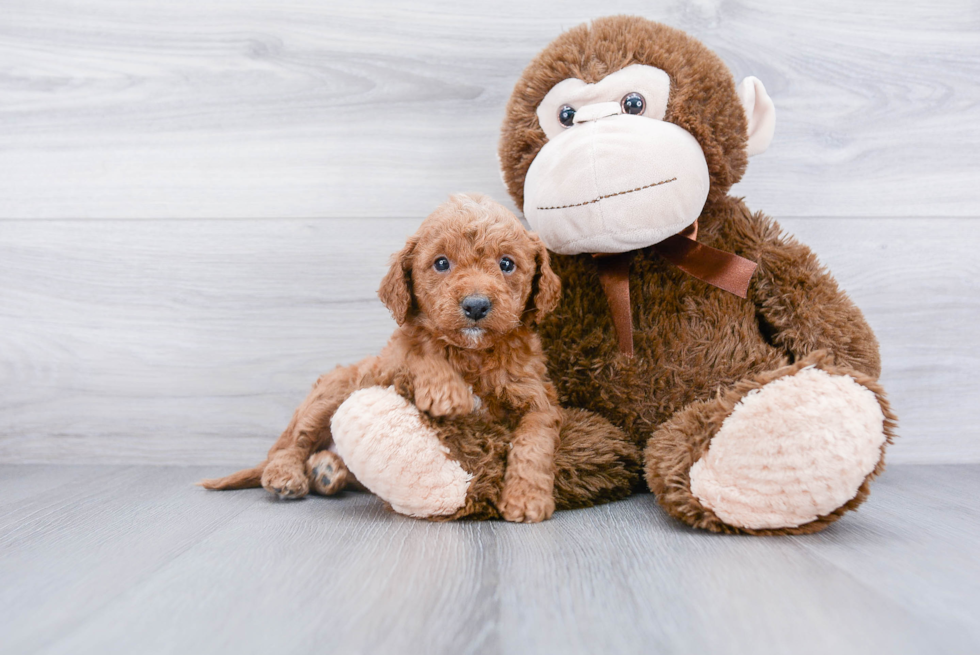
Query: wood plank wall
[197,199]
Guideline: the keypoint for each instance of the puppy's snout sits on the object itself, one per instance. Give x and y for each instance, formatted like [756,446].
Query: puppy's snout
[476,307]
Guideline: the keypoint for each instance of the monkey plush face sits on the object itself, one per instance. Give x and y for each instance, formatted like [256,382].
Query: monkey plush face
[614,175]
[619,132]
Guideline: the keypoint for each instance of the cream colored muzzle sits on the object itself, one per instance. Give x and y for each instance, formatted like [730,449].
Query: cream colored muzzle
[614,182]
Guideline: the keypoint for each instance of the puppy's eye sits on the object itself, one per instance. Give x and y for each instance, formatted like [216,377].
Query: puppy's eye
[507,265]
[566,116]
[633,103]
[441,264]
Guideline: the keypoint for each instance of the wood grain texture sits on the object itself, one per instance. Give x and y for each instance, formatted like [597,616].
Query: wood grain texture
[193,341]
[134,559]
[259,108]
[71,549]
[934,501]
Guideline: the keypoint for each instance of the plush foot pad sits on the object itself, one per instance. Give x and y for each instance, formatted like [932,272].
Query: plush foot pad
[383,441]
[327,473]
[286,479]
[794,450]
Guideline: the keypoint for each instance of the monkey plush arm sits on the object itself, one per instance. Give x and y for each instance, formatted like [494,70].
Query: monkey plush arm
[800,306]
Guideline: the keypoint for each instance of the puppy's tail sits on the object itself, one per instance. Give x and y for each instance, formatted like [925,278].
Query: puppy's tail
[245,479]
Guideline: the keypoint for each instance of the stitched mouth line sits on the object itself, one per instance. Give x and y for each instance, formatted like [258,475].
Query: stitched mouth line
[611,195]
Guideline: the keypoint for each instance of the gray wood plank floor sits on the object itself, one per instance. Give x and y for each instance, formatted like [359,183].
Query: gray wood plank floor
[135,559]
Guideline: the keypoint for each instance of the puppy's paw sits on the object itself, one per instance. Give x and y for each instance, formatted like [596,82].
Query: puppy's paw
[526,505]
[286,479]
[444,398]
[327,473]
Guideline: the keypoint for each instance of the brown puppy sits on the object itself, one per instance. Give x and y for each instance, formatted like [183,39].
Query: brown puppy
[465,291]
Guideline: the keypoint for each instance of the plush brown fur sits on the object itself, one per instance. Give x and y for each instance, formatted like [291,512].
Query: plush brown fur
[697,349]
[509,443]
[685,438]
[595,462]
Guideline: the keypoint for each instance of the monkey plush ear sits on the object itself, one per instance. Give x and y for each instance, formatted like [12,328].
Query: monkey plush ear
[760,112]
[546,287]
[396,287]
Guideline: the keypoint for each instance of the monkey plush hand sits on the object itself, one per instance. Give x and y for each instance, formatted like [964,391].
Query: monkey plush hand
[719,344]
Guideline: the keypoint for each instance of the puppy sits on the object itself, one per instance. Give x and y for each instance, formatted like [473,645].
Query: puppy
[465,291]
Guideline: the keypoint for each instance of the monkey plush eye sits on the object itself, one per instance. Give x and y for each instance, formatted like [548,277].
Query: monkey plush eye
[507,265]
[441,264]
[566,116]
[633,103]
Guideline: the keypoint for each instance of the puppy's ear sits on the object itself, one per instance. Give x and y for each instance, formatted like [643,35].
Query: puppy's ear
[396,287]
[546,287]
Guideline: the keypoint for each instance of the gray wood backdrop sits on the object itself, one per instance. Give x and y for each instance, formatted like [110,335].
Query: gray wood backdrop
[197,198]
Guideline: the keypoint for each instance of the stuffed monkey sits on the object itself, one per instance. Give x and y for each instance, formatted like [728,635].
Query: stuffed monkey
[717,343]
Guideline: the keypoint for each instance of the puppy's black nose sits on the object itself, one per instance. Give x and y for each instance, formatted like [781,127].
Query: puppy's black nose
[476,307]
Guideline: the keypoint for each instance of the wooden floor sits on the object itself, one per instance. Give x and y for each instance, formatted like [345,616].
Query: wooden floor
[117,559]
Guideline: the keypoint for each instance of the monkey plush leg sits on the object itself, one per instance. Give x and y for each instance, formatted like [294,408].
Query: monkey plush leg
[397,455]
[454,468]
[786,453]
[595,462]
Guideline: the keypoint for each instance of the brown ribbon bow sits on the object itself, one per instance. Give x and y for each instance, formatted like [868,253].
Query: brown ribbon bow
[718,268]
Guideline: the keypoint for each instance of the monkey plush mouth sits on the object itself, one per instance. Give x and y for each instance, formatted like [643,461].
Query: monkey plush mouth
[610,195]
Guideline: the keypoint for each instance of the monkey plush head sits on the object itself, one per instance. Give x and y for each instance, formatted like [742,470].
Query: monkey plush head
[618,133]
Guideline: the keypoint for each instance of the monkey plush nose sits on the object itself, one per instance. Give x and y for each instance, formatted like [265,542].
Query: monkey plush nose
[476,307]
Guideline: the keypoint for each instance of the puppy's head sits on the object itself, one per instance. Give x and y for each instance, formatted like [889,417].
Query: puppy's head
[470,274]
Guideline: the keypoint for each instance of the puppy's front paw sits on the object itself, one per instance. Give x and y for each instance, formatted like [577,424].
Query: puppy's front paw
[286,479]
[448,398]
[526,505]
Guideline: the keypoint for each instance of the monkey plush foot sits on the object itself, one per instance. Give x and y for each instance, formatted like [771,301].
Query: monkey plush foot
[796,449]
[384,442]
[787,454]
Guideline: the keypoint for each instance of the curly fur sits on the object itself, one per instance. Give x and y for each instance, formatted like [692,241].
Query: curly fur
[595,462]
[435,359]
